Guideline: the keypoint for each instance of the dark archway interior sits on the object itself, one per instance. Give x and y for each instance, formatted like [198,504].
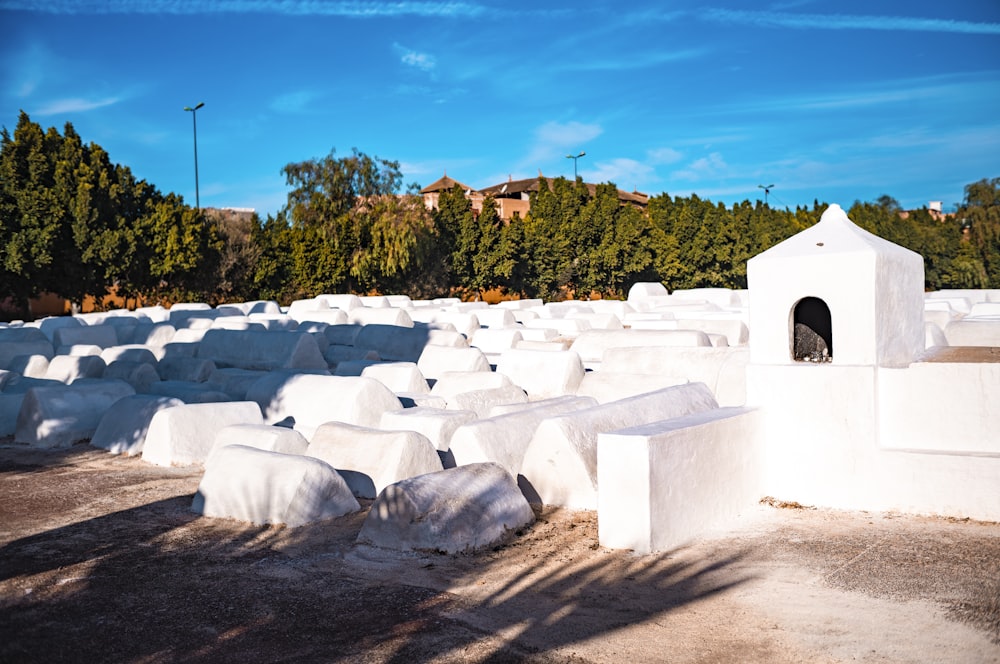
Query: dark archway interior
[812,331]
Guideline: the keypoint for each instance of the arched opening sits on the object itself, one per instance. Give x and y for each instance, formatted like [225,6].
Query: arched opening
[812,331]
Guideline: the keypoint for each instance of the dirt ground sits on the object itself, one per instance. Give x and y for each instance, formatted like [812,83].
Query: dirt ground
[102,561]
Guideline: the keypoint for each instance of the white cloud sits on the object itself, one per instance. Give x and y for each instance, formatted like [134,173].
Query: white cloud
[626,173]
[293,102]
[566,135]
[712,166]
[664,156]
[421,61]
[355,9]
[849,22]
[74,105]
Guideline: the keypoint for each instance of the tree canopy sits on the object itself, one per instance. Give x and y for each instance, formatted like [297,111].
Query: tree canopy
[74,223]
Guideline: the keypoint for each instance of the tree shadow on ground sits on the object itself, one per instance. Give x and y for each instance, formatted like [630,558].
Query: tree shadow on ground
[157,583]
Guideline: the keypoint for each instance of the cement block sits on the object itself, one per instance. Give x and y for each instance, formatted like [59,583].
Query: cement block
[973,332]
[496,317]
[234,382]
[263,437]
[560,463]
[103,336]
[307,401]
[437,424]
[435,361]
[503,439]
[30,366]
[494,341]
[139,375]
[184,435]
[398,376]
[68,368]
[129,353]
[342,335]
[64,415]
[191,369]
[481,402]
[261,487]
[189,392]
[153,334]
[261,350]
[123,427]
[405,344]
[591,345]
[328,316]
[542,374]
[665,483]
[460,510]
[642,290]
[605,386]
[379,315]
[371,459]
[17,341]
[344,301]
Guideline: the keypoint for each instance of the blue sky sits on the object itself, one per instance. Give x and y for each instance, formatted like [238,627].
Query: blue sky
[835,101]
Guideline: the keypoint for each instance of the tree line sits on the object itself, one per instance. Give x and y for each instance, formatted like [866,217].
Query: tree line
[74,223]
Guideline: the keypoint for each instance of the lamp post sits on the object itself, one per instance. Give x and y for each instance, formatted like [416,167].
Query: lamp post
[194,120]
[574,158]
[767,190]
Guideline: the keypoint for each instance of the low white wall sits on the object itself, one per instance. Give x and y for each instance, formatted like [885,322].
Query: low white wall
[663,484]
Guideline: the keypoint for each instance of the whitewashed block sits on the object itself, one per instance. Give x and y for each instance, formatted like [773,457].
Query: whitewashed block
[262,487]
[450,383]
[30,366]
[494,341]
[642,290]
[437,424]
[139,375]
[184,435]
[69,368]
[103,336]
[191,369]
[503,438]
[189,392]
[61,416]
[344,301]
[481,402]
[128,353]
[328,316]
[153,334]
[542,374]
[405,344]
[50,324]
[664,483]
[261,350]
[380,316]
[560,463]
[17,341]
[123,427]
[371,459]
[263,437]
[398,376]
[591,345]
[342,335]
[973,332]
[459,510]
[435,361]
[307,401]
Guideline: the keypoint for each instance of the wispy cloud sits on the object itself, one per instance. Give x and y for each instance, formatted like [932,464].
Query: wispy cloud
[847,22]
[626,173]
[415,59]
[294,102]
[74,105]
[712,166]
[570,134]
[632,61]
[664,156]
[355,9]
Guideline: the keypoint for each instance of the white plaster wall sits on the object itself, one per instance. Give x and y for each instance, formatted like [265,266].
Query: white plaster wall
[945,407]
[665,483]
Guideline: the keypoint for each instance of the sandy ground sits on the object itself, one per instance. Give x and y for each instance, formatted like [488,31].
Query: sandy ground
[102,561]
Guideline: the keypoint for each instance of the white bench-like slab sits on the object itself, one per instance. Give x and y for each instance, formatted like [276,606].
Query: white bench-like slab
[261,350]
[371,459]
[60,416]
[104,336]
[405,344]
[184,435]
[560,463]
[260,487]
[263,437]
[973,332]
[542,374]
[307,401]
[435,361]
[140,375]
[667,482]
[398,376]
[17,341]
[592,344]
[503,439]
[459,510]
[437,424]
[122,429]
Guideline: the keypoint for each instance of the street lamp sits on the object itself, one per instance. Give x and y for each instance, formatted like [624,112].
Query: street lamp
[767,190]
[574,158]
[194,119]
